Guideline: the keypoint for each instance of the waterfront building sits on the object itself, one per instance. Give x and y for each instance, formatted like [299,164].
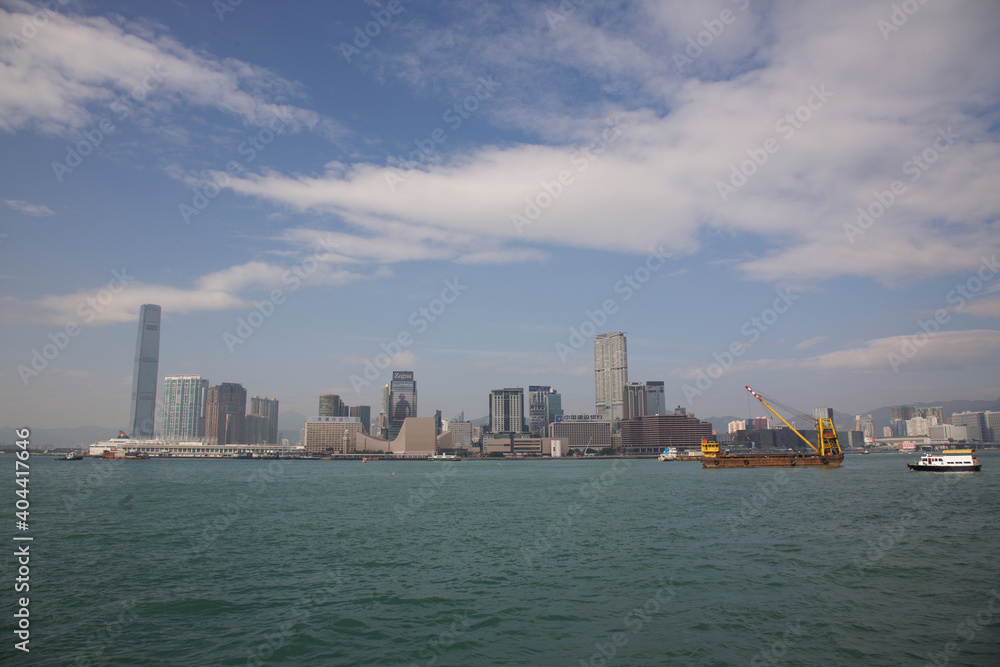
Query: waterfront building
[416,439]
[331,435]
[265,429]
[519,446]
[993,425]
[656,403]
[975,424]
[182,415]
[461,434]
[402,401]
[225,414]
[144,372]
[633,400]
[650,434]
[507,411]
[610,374]
[553,409]
[586,434]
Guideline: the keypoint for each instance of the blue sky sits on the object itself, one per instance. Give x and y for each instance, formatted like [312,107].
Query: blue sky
[689,173]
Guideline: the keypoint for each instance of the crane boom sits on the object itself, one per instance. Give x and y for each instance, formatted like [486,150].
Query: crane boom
[826,433]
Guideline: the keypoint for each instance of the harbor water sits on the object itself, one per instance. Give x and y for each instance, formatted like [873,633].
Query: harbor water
[566,562]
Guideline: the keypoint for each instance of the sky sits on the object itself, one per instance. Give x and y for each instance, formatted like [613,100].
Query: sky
[800,197]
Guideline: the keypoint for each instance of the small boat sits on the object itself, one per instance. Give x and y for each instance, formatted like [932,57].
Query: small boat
[950,460]
[444,457]
[71,456]
[667,455]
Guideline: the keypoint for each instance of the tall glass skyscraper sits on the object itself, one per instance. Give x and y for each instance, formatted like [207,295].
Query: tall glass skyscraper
[610,374]
[402,401]
[182,417]
[655,401]
[147,361]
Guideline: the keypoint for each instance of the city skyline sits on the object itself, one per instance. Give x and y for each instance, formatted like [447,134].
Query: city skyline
[312,214]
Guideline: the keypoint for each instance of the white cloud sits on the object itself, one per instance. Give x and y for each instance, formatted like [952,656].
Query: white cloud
[657,182]
[70,70]
[35,210]
[815,340]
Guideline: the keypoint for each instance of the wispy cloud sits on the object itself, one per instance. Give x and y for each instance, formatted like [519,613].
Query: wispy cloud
[35,210]
[815,340]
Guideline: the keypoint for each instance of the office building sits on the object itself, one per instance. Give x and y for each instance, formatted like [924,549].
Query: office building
[581,432]
[633,400]
[656,402]
[537,409]
[144,373]
[182,416]
[402,401]
[363,413]
[975,424]
[553,409]
[610,374]
[507,411]
[225,414]
[822,413]
[650,434]
[461,434]
[330,405]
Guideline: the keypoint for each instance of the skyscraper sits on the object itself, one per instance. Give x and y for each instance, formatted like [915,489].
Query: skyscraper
[266,408]
[225,414]
[656,403]
[633,400]
[974,422]
[330,405]
[610,374]
[402,401]
[147,360]
[182,417]
[364,415]
[537,410]
[507,411]
[553,409]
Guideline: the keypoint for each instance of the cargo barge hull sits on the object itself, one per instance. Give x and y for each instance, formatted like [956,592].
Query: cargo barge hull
[772,461]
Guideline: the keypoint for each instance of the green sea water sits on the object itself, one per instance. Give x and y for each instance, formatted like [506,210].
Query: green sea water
[573,562]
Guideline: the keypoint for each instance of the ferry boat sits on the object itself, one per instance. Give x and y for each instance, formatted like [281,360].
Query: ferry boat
[950,460]
[444,457]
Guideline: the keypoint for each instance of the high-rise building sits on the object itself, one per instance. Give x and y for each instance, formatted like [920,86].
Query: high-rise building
[182,415]
[225,414]
[537,409]
[364,415]
[822,413]
[633,400]
[553,409]
[147,361]
[330,405]
[267,432]
[902,412]
[507,411]
[656,403]
[610,374]
[975,424]
[330,435]
[866,424]
[402,401]
[993,426]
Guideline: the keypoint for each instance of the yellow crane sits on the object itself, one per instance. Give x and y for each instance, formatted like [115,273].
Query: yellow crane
[828,443]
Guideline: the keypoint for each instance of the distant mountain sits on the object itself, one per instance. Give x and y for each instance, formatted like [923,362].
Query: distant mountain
[291,423]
